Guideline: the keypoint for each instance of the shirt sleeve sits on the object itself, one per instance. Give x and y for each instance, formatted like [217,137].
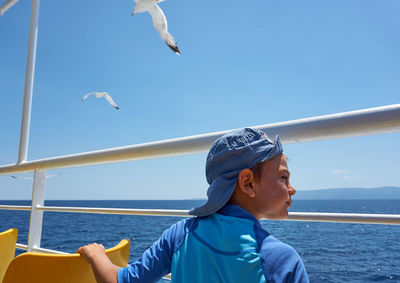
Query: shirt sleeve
[282,263]
[156,260]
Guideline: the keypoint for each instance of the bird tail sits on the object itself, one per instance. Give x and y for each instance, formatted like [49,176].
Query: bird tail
[174,48]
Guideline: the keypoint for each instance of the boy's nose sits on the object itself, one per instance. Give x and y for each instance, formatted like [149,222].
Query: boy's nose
[292,190]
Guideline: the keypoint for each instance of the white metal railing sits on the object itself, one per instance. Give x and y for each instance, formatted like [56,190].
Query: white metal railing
[16,207]
[377,120]
[393,219]
[294,216]
[7,5]
[29,78]
[40,250]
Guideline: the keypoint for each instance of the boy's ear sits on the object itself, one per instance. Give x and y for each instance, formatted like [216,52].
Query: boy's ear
[246,182]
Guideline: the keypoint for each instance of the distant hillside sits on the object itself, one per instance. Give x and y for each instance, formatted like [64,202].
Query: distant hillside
[351,193]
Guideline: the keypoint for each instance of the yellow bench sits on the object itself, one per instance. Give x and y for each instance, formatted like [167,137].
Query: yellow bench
[32,267]
[8,241]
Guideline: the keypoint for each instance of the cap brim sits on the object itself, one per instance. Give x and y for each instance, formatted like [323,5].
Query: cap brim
[220,192]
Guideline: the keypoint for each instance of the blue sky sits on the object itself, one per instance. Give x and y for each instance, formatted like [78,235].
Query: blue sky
[241,64]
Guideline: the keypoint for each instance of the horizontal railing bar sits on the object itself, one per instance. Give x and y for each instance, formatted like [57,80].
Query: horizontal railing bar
[129,211]
[293,216]
[378,120]
[40,250]
[16,207]
[47,251]
[393,219]
[22,246]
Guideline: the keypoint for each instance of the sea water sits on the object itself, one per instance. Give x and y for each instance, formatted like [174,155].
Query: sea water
[332,252]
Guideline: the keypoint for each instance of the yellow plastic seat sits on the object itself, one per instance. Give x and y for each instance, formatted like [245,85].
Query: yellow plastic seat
[61,268]
[8,241]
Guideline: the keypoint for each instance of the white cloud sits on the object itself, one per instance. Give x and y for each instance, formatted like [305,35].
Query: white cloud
[345,174]
[339,171]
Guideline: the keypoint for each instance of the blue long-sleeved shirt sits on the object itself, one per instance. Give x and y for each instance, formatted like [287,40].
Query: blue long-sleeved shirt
[228,246]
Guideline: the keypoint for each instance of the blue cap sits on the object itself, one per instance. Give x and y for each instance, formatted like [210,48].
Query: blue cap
[229,155]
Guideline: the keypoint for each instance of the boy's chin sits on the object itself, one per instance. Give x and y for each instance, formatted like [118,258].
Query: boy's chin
[281,216]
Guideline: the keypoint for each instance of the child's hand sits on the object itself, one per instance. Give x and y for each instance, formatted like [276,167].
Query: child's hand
[89,252]
[104,270]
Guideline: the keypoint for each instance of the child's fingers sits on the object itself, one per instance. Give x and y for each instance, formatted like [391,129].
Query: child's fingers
[90,251]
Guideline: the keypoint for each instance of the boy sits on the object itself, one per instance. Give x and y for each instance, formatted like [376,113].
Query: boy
[249,180]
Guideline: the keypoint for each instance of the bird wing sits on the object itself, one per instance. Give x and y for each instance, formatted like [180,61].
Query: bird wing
[101,94]
[159,20]
[142,6]
[87,94]
[110,100]
[160,23]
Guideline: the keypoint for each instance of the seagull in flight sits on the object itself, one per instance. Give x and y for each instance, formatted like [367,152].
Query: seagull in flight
[102,94]
[159,20]
[30,178]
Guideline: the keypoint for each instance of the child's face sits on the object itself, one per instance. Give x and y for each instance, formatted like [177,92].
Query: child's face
[273,190]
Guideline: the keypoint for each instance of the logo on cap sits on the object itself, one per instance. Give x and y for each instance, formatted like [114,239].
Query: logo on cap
[268,139]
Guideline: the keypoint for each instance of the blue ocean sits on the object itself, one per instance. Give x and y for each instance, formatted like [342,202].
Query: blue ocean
[332,252]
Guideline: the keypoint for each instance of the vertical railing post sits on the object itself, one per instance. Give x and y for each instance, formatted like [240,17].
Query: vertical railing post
[29,77]
[36,221]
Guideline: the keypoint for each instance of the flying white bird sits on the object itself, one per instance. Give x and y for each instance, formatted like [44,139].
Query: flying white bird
[102,94]
[30,178]
[159,20]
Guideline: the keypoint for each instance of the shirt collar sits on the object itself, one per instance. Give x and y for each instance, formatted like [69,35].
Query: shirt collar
[237,211]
